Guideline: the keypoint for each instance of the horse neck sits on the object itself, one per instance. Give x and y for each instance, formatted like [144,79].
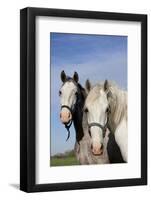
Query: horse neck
[78,115]
[118,106]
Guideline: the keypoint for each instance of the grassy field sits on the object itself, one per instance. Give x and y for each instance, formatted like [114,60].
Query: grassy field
[65,161]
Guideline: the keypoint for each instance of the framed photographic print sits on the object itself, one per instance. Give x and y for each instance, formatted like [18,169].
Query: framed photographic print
[83,99]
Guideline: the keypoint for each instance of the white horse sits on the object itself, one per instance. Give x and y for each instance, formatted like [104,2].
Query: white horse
[72,98]
[106,108]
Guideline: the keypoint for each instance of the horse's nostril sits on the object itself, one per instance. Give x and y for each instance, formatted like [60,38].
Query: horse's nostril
[101,148]
[91,146]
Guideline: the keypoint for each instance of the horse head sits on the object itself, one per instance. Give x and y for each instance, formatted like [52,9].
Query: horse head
[97,110]
[68,96]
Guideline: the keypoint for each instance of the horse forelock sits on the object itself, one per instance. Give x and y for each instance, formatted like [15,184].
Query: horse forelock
[81,90]
[93,94]
[70,79]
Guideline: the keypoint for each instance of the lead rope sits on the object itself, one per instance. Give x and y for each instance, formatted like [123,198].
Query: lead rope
[67,126]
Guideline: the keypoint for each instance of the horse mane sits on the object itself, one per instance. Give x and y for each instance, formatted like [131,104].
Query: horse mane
[118,103]
[82,90]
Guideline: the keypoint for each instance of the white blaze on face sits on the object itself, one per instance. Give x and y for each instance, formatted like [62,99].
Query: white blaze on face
[68,97]
[97,113]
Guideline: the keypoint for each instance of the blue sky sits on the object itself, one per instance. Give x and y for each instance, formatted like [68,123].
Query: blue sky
[97,57]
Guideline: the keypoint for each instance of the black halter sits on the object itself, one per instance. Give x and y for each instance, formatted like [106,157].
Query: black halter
[100,126]
[68,125]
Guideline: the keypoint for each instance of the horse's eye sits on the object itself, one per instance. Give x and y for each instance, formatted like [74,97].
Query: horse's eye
[86,110]
[60,93]
[76,93]
[107,110]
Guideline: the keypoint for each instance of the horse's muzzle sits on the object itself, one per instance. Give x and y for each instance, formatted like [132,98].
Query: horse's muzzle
[65,117]
[97,151]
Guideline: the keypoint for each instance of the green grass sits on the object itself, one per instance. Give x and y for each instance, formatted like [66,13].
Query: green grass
[66,161]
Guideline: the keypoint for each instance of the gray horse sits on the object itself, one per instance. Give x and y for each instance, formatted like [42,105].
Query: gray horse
[106,109]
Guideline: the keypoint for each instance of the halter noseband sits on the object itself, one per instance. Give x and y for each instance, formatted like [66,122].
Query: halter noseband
[100,126]
[65,106]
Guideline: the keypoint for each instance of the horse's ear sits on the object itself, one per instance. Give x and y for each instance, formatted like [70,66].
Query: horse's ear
[76,77]
[87,86]
[63,76]
[106,89]
[106,86]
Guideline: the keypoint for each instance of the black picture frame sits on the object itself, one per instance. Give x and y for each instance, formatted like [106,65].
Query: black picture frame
[28,99]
